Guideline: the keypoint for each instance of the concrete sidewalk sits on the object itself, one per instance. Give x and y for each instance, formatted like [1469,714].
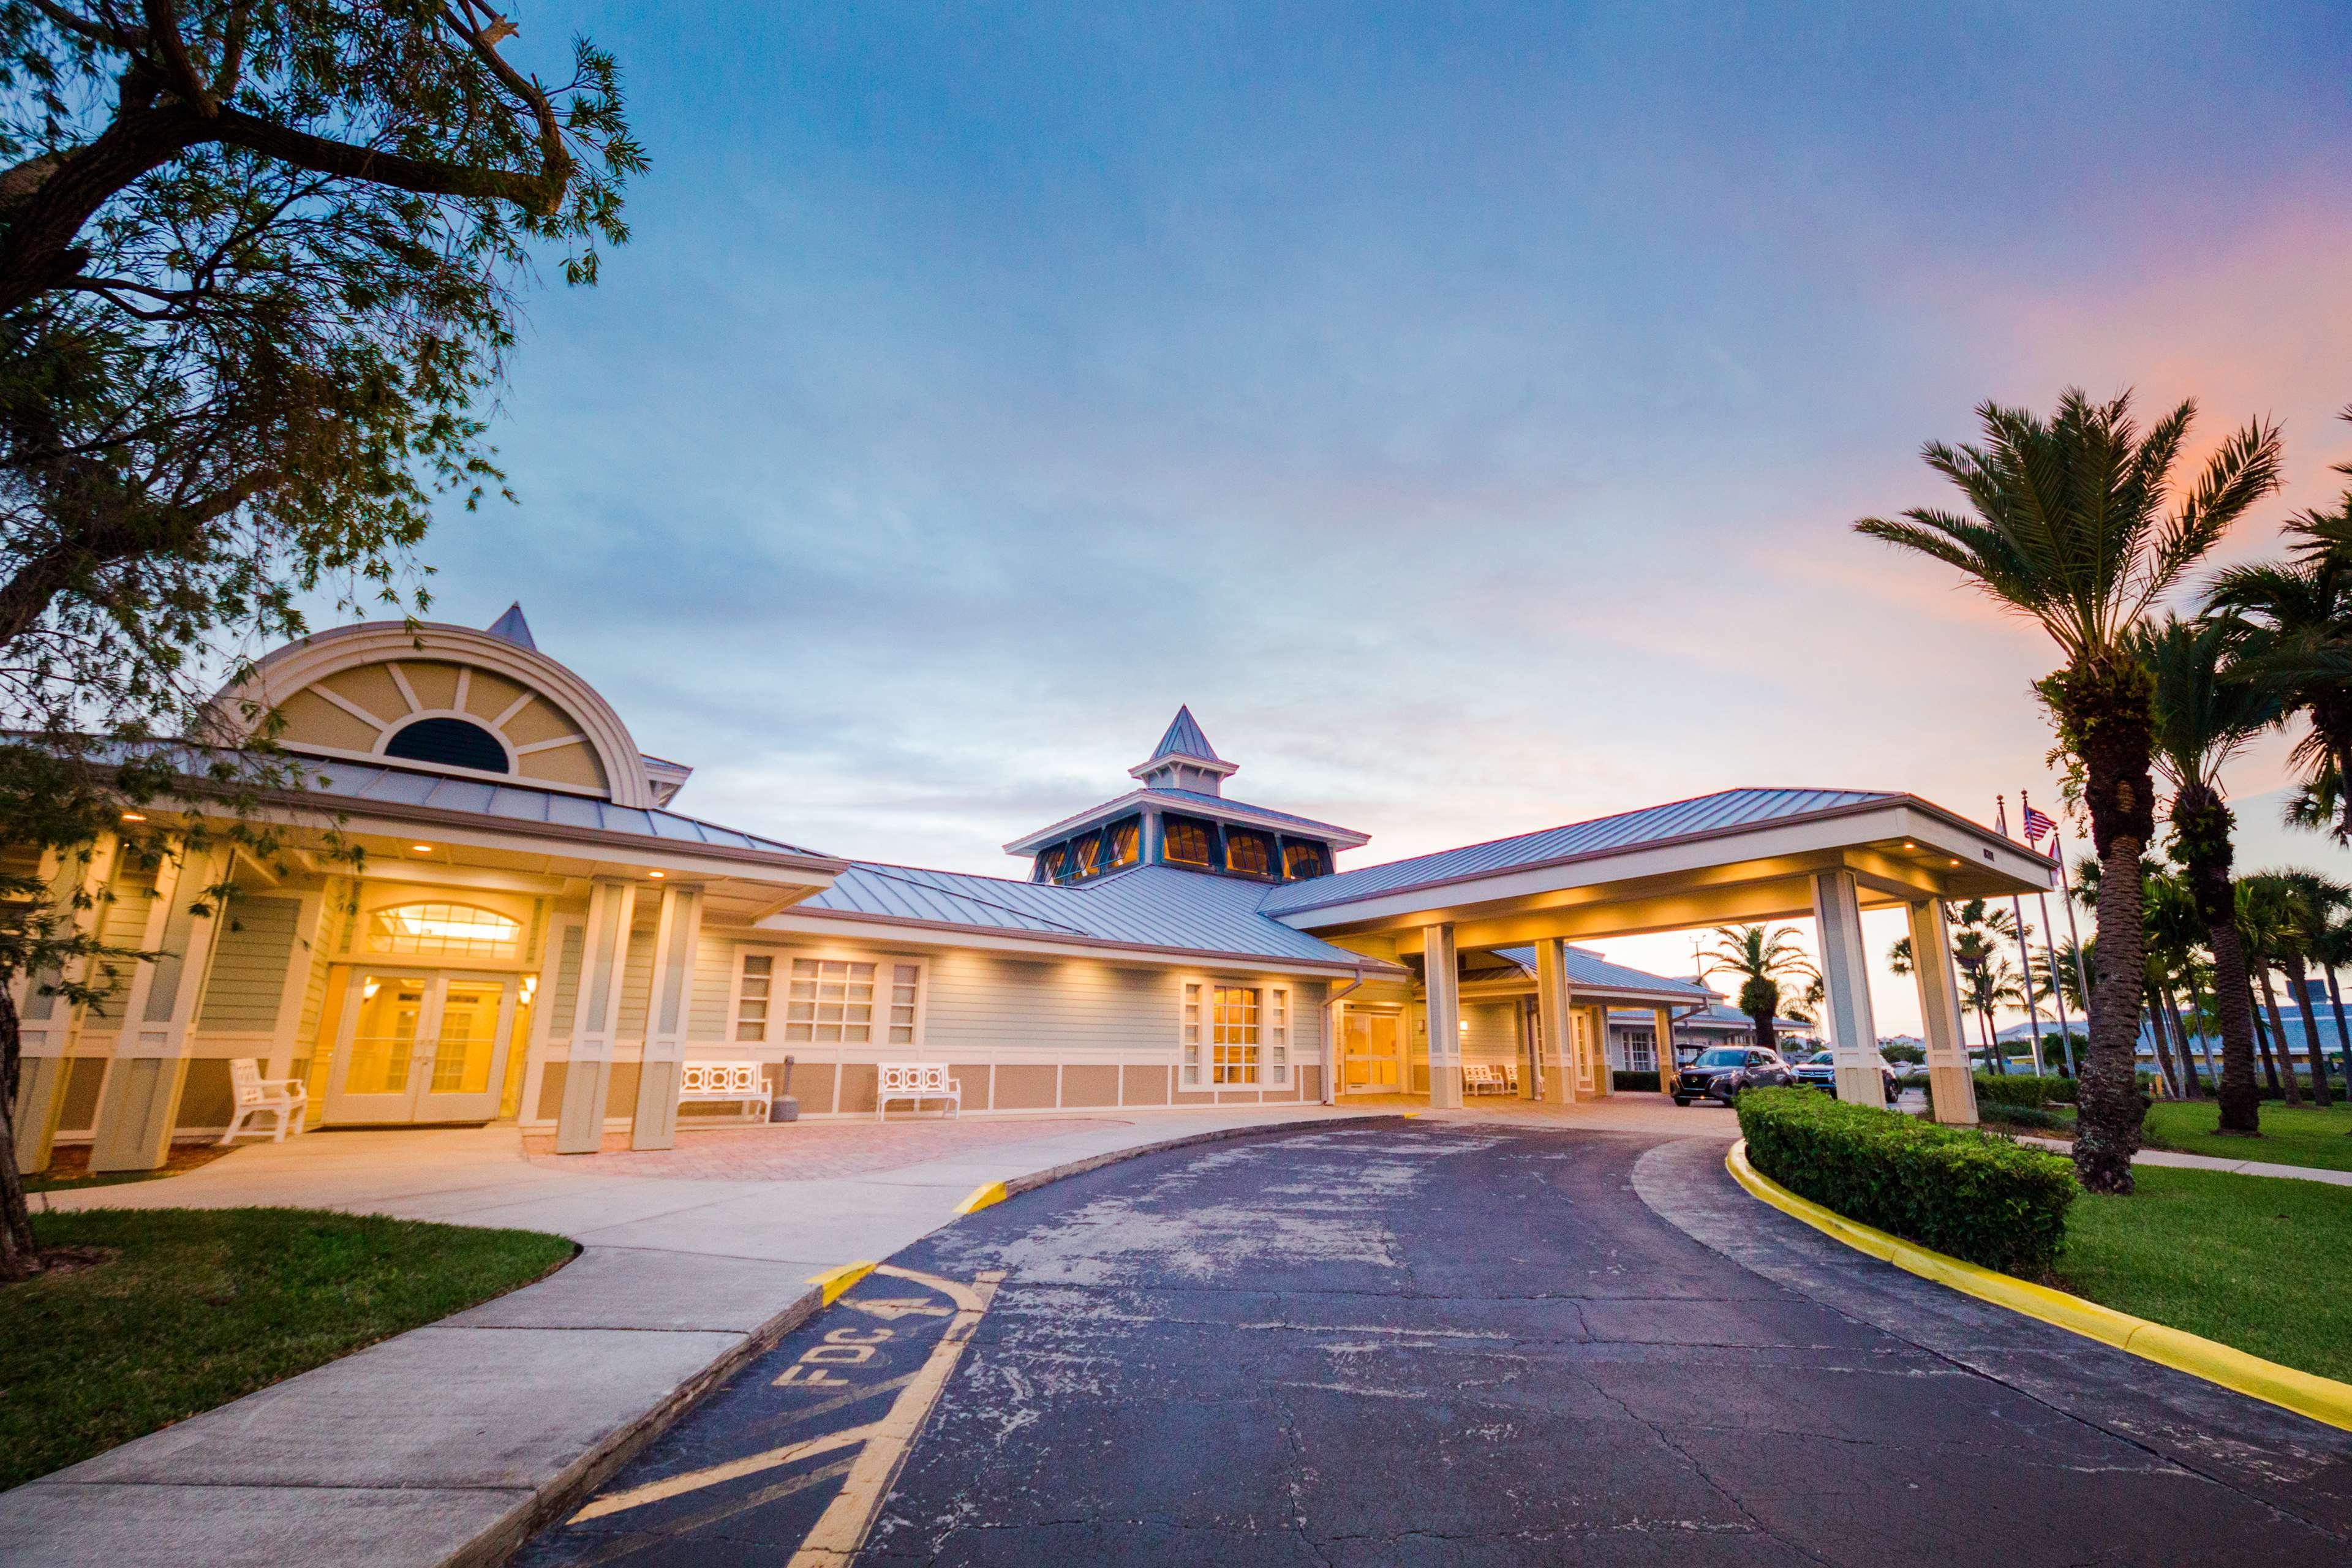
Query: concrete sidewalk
[446,1444]
[2207,1163]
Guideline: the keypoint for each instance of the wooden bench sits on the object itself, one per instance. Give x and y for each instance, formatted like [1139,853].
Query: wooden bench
[723,1083]
[1490,1078]
[251,1094]
[917,1082]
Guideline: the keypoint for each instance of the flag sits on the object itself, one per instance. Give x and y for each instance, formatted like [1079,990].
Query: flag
[2036,825]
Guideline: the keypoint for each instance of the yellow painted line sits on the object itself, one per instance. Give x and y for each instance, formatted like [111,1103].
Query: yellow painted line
[982,1196]
[2321,1398]
[834,1281]
[840,1530]
[694,1480]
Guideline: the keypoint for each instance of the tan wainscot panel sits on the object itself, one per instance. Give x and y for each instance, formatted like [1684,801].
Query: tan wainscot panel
[205,1101]
[971,1080]
[858,1083]
[1025,1086]
[1146,1085]
[1088,1085]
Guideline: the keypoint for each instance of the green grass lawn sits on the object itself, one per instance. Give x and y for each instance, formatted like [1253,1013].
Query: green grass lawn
[2257,1262]
[199,1306]
[2298,1137]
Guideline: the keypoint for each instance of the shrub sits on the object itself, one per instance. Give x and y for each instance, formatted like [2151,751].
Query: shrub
[1991,1202]
[2036,1118]
[1646,1082]
[2024,1089]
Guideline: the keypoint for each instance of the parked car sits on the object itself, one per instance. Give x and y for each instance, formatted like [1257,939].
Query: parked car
[1820,1071]
[1722,1071]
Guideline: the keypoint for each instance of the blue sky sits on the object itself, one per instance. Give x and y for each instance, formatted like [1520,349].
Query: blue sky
[1462,406]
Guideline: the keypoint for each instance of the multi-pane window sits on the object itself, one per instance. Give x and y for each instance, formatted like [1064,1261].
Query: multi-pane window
[1233,1034]
[1301,861]
[1641,1050]
[1086,855]
[1123,841]
[1186,842]
[1053,863]
[905,990]
[752,996]
[1251,854]
[1191,1033]
[447,930]
[830,1002]
[1278,1034]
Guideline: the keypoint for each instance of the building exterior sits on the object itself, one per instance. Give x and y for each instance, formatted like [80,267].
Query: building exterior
[534,934]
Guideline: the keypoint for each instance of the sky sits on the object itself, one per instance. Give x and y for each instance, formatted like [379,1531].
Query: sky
[1462,407]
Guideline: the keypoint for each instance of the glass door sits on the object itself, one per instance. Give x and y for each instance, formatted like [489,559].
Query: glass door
[1368,1061]
[420,1046]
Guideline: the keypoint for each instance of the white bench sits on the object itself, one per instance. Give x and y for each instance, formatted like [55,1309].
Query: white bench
[917,1082]
[1490,1078]
[723,1083]
[251,1094]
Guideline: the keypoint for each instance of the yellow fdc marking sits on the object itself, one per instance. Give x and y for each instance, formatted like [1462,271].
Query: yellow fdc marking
[694,1480]
[982,1196]
[834,1281]
[2321,1399]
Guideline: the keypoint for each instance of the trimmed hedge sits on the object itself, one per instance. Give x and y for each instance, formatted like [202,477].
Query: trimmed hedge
[1983,1199]
[2034,1118]
[2024,1089]
[1629,1082]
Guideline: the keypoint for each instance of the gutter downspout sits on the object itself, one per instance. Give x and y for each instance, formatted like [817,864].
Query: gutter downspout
[1331,1036]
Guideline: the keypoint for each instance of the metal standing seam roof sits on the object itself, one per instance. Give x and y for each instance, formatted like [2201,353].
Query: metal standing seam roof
[1187,800]
[1626,830]
[1149,907]
[1589,969]
[1184,738]
[368,784]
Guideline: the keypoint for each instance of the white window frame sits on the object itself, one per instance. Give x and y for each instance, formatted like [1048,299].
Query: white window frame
[1274,1032]
[1192,1030]
[1640,1043]
[886,967]
[1255,1045]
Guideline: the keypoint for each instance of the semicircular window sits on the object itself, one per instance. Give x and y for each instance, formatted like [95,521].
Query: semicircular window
[452,742]
[447,930]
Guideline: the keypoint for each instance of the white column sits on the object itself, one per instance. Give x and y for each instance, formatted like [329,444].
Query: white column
[48,1023]
[1845,978]
[655,1124]
[1554,1025]
[1950,1083]
[1441,980]
[588,1080]
[144,1083]
[1664,1023]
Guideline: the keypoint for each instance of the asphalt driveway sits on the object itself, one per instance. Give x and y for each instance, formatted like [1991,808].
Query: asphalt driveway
[1428,1342]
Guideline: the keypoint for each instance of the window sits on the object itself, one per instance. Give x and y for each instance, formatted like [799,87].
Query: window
[1191,1032]
[1122,842]
[1641,1050]
[751,998]
[1086,855]
[1234,1032]
[905,990]
[447,930]
[1301,861]
[830,1002]
[1185,841]
[1278,1034]
[1251,854]
[453,742]
[1051,861]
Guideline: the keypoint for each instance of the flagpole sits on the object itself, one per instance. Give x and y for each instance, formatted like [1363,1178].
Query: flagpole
[2074,933]
[2050,934]
[2024,948]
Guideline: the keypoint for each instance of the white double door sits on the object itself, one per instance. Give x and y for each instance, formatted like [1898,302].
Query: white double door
[421,1044]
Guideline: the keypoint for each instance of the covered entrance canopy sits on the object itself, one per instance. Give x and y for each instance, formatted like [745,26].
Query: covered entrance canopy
[1737,856]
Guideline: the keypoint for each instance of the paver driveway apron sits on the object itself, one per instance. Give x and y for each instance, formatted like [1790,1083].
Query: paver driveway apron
[1447,1343]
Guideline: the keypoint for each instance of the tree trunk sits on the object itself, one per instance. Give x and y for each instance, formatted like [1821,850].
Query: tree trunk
[2192,1086]
[20,1259]
[1763,1022]
[2292,1091]
[2262,1035]
[2167,1073]
[2200,826]
[2343,1034]
[2298,981]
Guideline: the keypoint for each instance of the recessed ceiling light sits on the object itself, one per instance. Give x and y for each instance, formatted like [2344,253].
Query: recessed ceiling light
[657,875]
[422,849]
[1956,862]
[134,816]
[1908,845]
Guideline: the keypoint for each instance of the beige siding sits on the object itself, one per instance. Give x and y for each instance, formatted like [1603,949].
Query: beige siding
[1494,1034]
[982,1000]
[564,1001]
[637,973]
[123,923]
[250,964]
[714,985]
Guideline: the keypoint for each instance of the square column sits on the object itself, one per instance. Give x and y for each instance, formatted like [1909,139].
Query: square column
[1443,982]
[47,1025]
[141,1100]
[1664,1024]
[588,1080]
[1557,1032]
[655,1124]
[1604,1082]
[1845,979]
[1950,1084]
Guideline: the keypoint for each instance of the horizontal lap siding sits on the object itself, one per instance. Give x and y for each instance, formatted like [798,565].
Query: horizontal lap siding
[249,963]
[979,1001]
[1493,1033]
[714,985]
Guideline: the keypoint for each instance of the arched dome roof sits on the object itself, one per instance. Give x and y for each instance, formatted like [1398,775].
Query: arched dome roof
[450,700]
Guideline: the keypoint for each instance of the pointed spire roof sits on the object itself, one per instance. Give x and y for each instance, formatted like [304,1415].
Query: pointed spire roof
[511,627]
[1184,738]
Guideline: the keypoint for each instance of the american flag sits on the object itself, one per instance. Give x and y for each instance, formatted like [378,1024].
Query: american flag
[2036,825]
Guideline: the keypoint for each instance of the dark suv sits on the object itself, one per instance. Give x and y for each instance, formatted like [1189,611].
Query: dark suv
[1820,1071]
[1722,1071]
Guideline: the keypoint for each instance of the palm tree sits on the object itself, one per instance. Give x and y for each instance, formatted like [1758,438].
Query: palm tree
[1986,981]
[1762,959]
[2312,904]
[2297,620]
[2332,953]
[2077,525]
[2263,923]
[2206,712]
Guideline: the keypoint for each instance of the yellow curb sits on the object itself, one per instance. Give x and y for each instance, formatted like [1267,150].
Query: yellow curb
[2321,1398]
[835,1282]
[982,1196]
